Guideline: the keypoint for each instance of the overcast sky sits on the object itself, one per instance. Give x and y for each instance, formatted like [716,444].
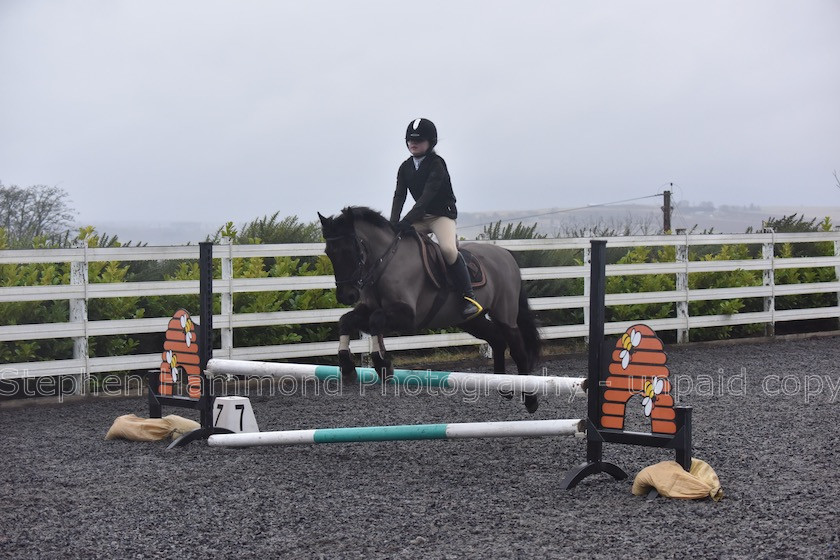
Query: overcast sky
[233,110]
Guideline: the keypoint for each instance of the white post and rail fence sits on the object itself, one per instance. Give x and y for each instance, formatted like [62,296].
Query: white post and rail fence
[79,292]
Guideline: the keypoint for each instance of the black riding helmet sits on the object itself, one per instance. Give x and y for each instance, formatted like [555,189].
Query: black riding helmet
[422,129]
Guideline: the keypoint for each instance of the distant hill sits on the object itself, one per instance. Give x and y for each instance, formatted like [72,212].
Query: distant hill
[158,233]
[639,219]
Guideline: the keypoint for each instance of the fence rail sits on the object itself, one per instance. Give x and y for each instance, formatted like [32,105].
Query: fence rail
[80,291]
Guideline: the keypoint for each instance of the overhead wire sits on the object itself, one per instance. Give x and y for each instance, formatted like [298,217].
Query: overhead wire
[561,211]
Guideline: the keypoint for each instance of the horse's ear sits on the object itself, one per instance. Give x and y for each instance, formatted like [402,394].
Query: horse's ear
[327,225]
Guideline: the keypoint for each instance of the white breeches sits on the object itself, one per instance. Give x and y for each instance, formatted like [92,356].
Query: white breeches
[444,230]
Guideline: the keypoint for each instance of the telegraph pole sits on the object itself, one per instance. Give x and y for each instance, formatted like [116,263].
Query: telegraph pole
[666,211]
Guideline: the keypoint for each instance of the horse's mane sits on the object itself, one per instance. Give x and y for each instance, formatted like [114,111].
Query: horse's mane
[352,214]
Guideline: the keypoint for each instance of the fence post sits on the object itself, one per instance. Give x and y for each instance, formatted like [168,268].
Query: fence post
[769,279]
[682,287]
[587,287]
[837,271]
[226,296]
[79,314]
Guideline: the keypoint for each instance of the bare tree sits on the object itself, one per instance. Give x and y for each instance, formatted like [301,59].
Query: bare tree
[836,179]
[36,211]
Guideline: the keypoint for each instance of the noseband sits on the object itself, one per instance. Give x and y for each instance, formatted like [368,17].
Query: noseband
[360,279]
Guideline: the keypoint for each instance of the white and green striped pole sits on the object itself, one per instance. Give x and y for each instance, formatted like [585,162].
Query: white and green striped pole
[461,381]
[521,428]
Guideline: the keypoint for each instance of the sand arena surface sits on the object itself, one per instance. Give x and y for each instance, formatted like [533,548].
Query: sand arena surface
[765,417]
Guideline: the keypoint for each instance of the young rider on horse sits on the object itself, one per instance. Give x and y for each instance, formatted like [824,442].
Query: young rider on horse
[425,175]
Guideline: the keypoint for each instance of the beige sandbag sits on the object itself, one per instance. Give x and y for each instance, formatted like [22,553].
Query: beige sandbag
[672,481]
[181,425]
[134,428]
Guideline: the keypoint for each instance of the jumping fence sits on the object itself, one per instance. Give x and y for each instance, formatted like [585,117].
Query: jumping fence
[79,292]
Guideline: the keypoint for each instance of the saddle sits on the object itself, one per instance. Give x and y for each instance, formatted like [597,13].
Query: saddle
[435,265]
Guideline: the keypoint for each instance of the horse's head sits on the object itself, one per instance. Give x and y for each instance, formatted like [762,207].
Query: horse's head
[346,253]
[348,250]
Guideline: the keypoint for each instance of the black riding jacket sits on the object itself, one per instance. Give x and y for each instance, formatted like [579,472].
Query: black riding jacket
[430,186]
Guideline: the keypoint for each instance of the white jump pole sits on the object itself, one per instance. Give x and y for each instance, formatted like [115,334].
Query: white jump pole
[472,382]
[521,428]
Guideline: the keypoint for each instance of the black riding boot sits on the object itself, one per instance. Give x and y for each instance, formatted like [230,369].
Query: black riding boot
[461,282]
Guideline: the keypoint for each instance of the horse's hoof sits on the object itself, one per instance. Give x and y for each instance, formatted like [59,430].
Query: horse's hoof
[505,394]
[532,402]
[347,366]
[387,373]
[383,368]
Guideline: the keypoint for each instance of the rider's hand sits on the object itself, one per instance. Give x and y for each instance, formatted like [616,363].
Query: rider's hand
[404,226]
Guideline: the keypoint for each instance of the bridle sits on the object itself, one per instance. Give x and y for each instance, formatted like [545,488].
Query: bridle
[360,278]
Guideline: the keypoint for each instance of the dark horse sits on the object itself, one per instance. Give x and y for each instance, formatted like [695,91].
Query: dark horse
[387,282]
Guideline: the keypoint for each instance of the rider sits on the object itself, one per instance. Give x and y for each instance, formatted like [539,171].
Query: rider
[425,175]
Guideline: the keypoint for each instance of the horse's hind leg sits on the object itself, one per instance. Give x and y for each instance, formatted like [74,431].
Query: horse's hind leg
[522,361]
[483,328]
[517,348]
[492,333]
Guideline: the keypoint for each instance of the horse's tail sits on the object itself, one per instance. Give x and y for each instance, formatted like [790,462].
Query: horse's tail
[527,324]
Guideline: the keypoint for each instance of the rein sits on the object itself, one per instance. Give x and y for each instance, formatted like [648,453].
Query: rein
[359,277]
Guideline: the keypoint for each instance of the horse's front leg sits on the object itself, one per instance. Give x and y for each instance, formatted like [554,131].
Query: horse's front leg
[397,317]
[351,322]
